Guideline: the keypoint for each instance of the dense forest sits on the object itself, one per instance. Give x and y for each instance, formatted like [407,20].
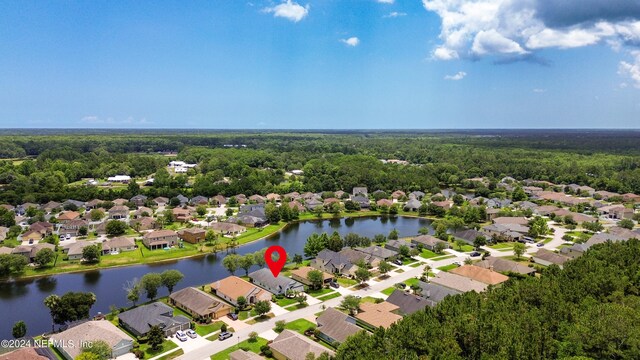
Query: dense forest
[589,310]
[250,163]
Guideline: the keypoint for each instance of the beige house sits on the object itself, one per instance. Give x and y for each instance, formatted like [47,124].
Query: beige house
[199,304]
[160,239]
[69,342]
[233,287]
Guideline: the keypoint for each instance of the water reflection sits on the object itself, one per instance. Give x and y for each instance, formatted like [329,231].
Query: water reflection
[349,222]
[47,284]
[92,277]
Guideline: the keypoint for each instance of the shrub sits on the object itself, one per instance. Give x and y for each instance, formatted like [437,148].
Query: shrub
[279,326]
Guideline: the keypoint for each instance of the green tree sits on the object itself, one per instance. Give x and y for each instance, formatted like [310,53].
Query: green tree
[116,228]
[246,262]
[423,230]
[12,264]
[19,329]
[626,223]
[262,307]
[133,291]
[170,278]
[272,213]
[393,235]
[459,244]
[201,210]
[155,337]
[350,303]
[479,241]
[362,274]
[316,279]
[43,257]
[384,267]
[150,283]
[231,263]
[519,194]
[594,226]
[88,356]
[519,249]
[96,215]
[71,306]
[242,302]
[301,298]
[439,248]
[297,259]
[98,347]
[91,253]
[335,242]
[280,326]
[315,243]
[404,251]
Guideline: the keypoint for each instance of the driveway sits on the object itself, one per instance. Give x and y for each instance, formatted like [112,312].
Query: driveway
[191,344]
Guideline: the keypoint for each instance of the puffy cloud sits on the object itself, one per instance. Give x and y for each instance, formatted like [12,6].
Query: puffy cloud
[516,28]
[539,91]
[395,14]
[459,76]
[289,10]
[386,1]
[352,41]
[631,70]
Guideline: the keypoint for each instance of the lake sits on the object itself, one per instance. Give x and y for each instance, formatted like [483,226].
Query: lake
[22,299]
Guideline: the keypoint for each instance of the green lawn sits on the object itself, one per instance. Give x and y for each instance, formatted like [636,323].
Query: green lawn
[388,290]
[207,329]
[285,302]
[164,347]
[243,315]
[408,282]
[503,245]
[296,307]
[299,326]
[319,293]
[427,254]
[245,345]
[344,282]
[444,257]
[416,264]
[464,248]
[253,234]
[330,296]
[448,267]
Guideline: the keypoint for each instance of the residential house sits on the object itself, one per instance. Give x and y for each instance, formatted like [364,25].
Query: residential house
[161,201]
[395,245]
[334,263]
[487,276]
[468,235]
[408,303]
[384,202]
[458,282]
[378,252]
[329,201]
[218,200]
[313,204]
[118,244]
[605,195]
[30,251]
[301,275]
[181,215]
[31,236]
[527,205]
[123,179]
[616,212]
[577,217]
[199,304]
[508,232]
[429,242]
[630,197]
[362,191]
[435,293]
[545,210]
[375,315]
[29,353]
[72,227]
[3,233]
[70,342]
[492,213]
[160,239]
[511,220]
[547,258]
[398,194]
[77,203]
[118,212]
[355,257]
[274,197]
[296,205]
[416,195]
[74,250]
[138,321]
[225,228]
[199,200]
[120,201]
[143,223]
[93,204]
[336,326]
[257,199]
[183,199]
[279,285]
[51,206]
[505,266]
[233,287]
[361,200]
[68,216]
[290,345]
[412,205]
[142,211]
[139,200]
[192,235]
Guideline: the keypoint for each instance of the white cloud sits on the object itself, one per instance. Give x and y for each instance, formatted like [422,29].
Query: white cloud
[352,41]
[459,76]
[631,70]
[386,1]
[516,29]
[289,10]
[130,120]
[539,91]
[394,14]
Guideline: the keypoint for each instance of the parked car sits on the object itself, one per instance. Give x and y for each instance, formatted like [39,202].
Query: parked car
[232,316]
[192,334]
[458,263]
[401,285]
[397,262]
[475,253]
[540,244]
[224,335]
[181,335]
[68,236]
[334,284]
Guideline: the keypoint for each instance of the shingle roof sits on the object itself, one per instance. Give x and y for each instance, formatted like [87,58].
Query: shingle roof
[197,301]
[296,347]
[90,331]
[408,303]
[480,274]
[234,287]
[458,282]
[334,324]
[504,265]
[436,292]
[143,317]
[378,314]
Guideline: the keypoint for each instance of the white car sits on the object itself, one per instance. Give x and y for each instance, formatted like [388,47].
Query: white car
[192,334]
[181,335]
[68,236]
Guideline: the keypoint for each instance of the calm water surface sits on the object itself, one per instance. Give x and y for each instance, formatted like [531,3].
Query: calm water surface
[22,300]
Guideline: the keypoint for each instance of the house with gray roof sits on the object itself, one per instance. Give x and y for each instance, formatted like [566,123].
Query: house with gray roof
[412,205]
[333,263]
[360,191]
[363,201]
[334,325]
[429,242]
[396,244]
[505,266]
[416,195]
[408,303]
[378,251]
[468,235]
[546,258]
[139,320]
[435,292]
[276,285]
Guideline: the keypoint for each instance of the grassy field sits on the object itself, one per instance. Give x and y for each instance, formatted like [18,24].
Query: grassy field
[245,345]
[319,293]
[408,282]
[427,254]
[503,245]
[344,282]
[285,302]
[164,347]
[207,329]
[330,296]
[447,267]
[299,326]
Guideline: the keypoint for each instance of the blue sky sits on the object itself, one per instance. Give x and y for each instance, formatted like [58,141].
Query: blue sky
[319,64]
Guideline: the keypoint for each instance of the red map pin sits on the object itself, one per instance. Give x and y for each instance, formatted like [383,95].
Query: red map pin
[275,265]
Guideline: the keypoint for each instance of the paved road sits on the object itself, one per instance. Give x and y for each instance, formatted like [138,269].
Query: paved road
[204,352]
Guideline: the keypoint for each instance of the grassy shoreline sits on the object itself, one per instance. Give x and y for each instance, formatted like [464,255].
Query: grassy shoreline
[194,251]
